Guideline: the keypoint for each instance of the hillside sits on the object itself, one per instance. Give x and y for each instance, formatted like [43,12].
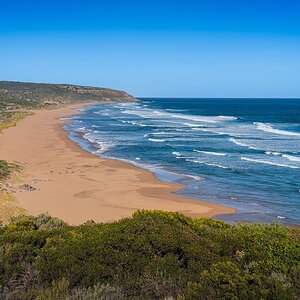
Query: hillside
[17,95]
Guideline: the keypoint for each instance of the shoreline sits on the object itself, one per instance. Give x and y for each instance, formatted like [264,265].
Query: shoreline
[75,185]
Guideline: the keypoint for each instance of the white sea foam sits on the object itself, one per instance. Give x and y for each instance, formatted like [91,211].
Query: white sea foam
[269,163]
[206,163]
[102,145]
[81,129]
[291,158]
[204,119]
[176,110]
[273,153]
[156,140]
[193,125]
[269,128]
[177,153]
[239,143]
[211,153]
[198,178]
[149,113]
[162,133]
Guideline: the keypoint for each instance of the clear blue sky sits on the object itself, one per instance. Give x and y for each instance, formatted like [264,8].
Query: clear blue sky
[225,48]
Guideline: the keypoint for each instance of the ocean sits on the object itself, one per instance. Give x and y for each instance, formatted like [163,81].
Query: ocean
[243,153]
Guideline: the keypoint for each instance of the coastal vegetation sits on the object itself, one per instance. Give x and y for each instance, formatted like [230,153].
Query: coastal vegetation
[8,204]
[10,119]
[19,95]
[6,168]
[152,255]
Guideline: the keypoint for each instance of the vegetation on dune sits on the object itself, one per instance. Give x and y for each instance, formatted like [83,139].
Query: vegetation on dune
[152,255]
[6,168]
[9,207]
[10,119]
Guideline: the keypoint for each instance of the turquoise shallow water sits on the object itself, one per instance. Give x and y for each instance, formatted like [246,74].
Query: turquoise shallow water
[244,153]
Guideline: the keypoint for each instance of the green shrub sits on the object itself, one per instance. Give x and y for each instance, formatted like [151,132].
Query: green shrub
[4,169]
[41,222]
[153,255]
[225,280]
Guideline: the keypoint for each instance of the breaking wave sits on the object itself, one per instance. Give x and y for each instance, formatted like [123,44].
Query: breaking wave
[269,128]
[268,163]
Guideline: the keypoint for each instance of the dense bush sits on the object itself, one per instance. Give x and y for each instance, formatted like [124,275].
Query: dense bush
[153,255]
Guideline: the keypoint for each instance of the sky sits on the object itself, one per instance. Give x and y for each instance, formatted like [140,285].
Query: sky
[212,48]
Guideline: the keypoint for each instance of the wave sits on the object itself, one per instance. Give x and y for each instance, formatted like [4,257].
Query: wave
[205,119]
[148,113]
[291,158]
[193,125]
[206,163]
[269,128]
[177,154]
[211,153]
[176,110]
[162,133]
[134,123]
[156,140]
[268,163]
[101,145]
[198,178]
[273,153]
[81,129]
[239,143]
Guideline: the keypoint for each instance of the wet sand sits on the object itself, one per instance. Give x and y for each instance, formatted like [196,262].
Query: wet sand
[77,186]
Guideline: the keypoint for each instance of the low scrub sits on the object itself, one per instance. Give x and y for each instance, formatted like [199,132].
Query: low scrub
[10,119]
[152,255]
[6,168]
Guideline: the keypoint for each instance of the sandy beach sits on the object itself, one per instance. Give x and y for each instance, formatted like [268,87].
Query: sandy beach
[77,186]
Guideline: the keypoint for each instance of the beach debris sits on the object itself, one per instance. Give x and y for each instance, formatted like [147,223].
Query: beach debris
[27,187]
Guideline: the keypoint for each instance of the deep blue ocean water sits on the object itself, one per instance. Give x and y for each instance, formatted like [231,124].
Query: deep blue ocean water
[244,153]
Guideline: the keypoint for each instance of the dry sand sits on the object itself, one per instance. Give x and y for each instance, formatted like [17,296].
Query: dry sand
[77,186]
